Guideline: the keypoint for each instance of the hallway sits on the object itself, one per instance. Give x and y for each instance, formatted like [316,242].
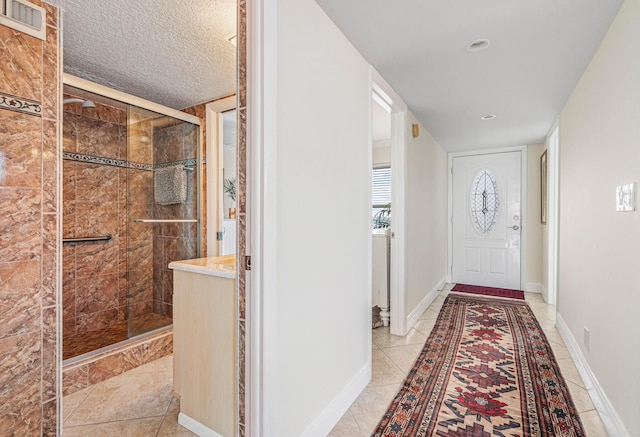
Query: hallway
[393,357]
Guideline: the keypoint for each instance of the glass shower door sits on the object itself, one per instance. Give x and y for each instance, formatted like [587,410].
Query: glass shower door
[163,211]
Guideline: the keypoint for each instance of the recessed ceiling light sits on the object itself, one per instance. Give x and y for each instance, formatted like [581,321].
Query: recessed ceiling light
[478,45]
[488,117]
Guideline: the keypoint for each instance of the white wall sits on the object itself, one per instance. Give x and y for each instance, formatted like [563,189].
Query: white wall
[318,173]
[426,214]
[535,229]
[599,260]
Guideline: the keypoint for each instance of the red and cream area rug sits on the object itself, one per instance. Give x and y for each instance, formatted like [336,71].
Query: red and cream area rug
[485,370]
[489,291]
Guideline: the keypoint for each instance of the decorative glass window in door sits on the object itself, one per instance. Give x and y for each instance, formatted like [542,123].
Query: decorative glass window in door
[485,201]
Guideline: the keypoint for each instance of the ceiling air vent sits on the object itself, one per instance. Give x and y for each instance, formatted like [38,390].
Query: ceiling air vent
[25,17]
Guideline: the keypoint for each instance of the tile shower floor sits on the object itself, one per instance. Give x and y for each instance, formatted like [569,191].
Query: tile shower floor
[139,403]
[74,345]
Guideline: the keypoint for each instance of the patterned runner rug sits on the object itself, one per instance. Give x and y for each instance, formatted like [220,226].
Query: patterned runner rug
[489,291]
[486,370]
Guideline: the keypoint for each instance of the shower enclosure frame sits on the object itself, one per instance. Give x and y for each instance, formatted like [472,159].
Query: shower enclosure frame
[85,85]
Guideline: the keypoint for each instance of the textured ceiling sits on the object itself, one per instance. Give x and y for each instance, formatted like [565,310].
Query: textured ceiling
[539,49]
[170,52]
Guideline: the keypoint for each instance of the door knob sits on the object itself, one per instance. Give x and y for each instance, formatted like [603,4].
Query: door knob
[515,227]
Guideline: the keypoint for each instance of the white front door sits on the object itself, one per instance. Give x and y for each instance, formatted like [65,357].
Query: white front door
[487,221]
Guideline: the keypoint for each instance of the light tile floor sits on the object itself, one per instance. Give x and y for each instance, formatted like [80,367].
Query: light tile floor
[393,357]
[137,403]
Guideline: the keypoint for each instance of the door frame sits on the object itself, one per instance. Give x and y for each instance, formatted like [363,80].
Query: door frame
[523,211]
[553,173]
[398,265]
[214,146]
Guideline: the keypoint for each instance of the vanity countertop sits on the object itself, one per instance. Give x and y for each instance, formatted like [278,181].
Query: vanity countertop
[222,266]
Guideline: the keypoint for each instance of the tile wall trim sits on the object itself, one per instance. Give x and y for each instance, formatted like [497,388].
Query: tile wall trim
[19,104]
[79,157]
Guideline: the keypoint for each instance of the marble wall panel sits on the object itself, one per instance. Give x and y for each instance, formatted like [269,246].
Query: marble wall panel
[28,220]
[20,136]
[99,138]
[19,311]
[97,258]
[140,186]
[21,70]
[96,218]
[49,259]
[75,379]
[96,293]
[96,183]
[20,223]
[20,380]
[49,353]
[50,75]
[95,321]
[69,132]
[167,145]
[49,166]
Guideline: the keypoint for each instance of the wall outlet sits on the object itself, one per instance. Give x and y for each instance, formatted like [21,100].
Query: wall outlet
[585,339]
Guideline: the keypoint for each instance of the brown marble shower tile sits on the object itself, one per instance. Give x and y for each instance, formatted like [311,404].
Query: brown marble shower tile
[96,218]
[52,15]
[122,186]
[20,224]
[69,131]
[96,293]
[69,169]
[99,138]
[21,71]
[140,145]
[49,259]
[242,273]
[96,321]
[158,348]
[140,252]
[69,219]
[20,377]
[106,113]
[96,183]
[241,370]
[20,136]
[75,379]
[176,249]
[19,312]
[50,418]
[105,368]
[167,144]
[97,258]
[140,187]
[140,286]
[49,353]
[49,166]
[242,54]
[50,75]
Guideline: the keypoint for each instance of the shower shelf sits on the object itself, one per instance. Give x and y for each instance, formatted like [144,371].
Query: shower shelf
[165,221]
[86,239]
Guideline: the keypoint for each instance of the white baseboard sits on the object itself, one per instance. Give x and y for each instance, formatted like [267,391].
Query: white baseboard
[533,287]
[414,315]
[196,427]
[331,415]
[612,422]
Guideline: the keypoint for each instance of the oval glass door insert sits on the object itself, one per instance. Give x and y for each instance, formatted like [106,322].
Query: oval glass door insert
[485,201]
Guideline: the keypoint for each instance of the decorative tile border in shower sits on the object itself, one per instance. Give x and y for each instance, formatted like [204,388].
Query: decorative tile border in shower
[20,105]
[79,157]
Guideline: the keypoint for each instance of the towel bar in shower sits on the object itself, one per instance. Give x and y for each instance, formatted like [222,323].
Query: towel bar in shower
[85,239]
[165,221]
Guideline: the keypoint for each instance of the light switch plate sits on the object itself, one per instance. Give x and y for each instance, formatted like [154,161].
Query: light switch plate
[626,197]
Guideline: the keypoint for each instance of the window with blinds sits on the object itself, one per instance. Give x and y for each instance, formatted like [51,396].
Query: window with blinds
[381,189]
